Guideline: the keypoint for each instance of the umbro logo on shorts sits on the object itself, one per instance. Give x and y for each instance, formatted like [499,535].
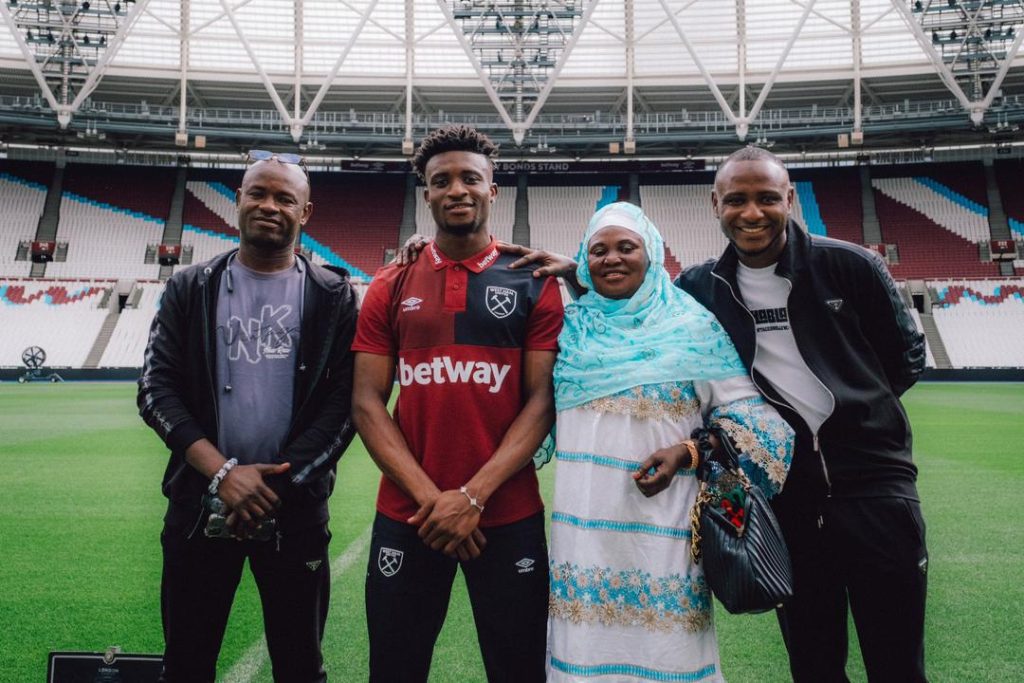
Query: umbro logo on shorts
[834,304]
[313,565]
[526,565]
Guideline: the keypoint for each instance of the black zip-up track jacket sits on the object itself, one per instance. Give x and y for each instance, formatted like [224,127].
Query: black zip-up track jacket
[857,336]
[177,394]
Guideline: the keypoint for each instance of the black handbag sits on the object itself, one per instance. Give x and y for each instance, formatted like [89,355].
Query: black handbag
[736,536]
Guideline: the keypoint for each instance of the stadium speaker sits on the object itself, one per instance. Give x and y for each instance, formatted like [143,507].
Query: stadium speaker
[407,148]
[200,141]
[629,147]
[181,139]
[1003,250]
[42,251]
[613,148]
[169,254]
[857,137]
[843,140]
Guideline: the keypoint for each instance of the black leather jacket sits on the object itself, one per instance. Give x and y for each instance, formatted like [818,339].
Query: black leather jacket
[856,335]
[177,396]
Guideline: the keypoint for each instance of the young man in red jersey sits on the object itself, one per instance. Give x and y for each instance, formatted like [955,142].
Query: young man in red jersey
[472,344]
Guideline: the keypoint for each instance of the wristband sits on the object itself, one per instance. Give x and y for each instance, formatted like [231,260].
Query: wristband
[219,477]
[472,500]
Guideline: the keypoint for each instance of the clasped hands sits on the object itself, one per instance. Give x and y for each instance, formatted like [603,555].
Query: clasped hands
[248,498]
[450,524]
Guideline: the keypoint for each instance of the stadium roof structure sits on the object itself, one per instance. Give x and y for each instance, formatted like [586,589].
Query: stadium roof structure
[651,78]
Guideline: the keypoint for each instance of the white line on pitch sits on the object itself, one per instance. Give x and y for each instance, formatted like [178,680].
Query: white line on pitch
[256,657]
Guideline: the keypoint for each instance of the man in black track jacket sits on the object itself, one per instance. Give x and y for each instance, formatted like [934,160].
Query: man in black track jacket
[247,378]
[831,344]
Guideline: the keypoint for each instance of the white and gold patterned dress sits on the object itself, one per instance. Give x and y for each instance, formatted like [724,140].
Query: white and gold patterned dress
[627,602]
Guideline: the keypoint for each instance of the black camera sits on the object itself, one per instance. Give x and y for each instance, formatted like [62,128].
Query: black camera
[216,513]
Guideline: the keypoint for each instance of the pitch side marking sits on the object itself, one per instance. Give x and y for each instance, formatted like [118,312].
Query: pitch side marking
[256,657]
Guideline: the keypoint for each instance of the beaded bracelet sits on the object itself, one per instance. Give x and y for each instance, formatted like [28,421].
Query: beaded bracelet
[219,477]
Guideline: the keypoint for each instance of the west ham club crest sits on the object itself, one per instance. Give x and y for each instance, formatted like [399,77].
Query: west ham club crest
[501,301]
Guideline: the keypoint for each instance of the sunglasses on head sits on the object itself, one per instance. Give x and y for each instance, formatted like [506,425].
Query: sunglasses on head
[255,155]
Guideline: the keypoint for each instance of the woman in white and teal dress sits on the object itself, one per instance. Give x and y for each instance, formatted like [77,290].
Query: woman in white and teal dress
[641,365]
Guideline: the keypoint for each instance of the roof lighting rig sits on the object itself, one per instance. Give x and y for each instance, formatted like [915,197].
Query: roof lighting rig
[66,43]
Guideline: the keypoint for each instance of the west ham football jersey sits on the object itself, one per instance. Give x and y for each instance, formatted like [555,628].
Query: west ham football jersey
[458,331]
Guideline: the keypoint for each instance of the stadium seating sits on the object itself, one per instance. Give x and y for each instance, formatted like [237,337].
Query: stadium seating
[22,201]
[62,317]
[837,193]
[935,218]
[559,215]
[981,322]
[127,343]
[1008,175]
[355,220]
[109,215]
[684,218]
[936,215]
[209,215]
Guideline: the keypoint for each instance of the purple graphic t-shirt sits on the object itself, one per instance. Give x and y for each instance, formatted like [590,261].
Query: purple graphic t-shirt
[258,326]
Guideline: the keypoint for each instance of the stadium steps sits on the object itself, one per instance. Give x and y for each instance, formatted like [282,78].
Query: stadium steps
[521,224]
[997,221]
[872,230]
[931,333]
[47,229]
[175,216]
[102,339]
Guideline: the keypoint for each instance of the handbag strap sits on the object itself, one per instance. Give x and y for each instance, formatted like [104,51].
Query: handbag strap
[729,459]
[703,498]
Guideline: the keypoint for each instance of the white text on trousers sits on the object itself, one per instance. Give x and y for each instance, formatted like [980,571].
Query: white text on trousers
[443,369]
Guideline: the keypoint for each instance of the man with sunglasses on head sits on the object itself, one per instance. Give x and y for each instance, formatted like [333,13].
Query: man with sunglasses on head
[247,378]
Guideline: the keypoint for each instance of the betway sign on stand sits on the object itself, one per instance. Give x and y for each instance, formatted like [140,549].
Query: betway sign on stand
[443,369]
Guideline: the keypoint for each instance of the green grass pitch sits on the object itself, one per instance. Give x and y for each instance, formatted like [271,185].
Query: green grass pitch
[80,517]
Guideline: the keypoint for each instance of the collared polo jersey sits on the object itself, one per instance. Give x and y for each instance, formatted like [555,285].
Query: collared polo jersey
[458,331]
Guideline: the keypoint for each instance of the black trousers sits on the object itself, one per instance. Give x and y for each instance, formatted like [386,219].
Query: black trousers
[867,556]
[408,587]
[200,576]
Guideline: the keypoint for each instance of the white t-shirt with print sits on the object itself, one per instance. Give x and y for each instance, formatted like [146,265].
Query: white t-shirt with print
[777,358]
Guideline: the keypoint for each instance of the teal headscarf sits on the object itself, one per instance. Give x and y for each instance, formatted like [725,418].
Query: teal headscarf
[660,334]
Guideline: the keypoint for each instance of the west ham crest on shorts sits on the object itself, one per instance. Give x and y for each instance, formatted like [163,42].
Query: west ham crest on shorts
[501,301]
[389,561]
